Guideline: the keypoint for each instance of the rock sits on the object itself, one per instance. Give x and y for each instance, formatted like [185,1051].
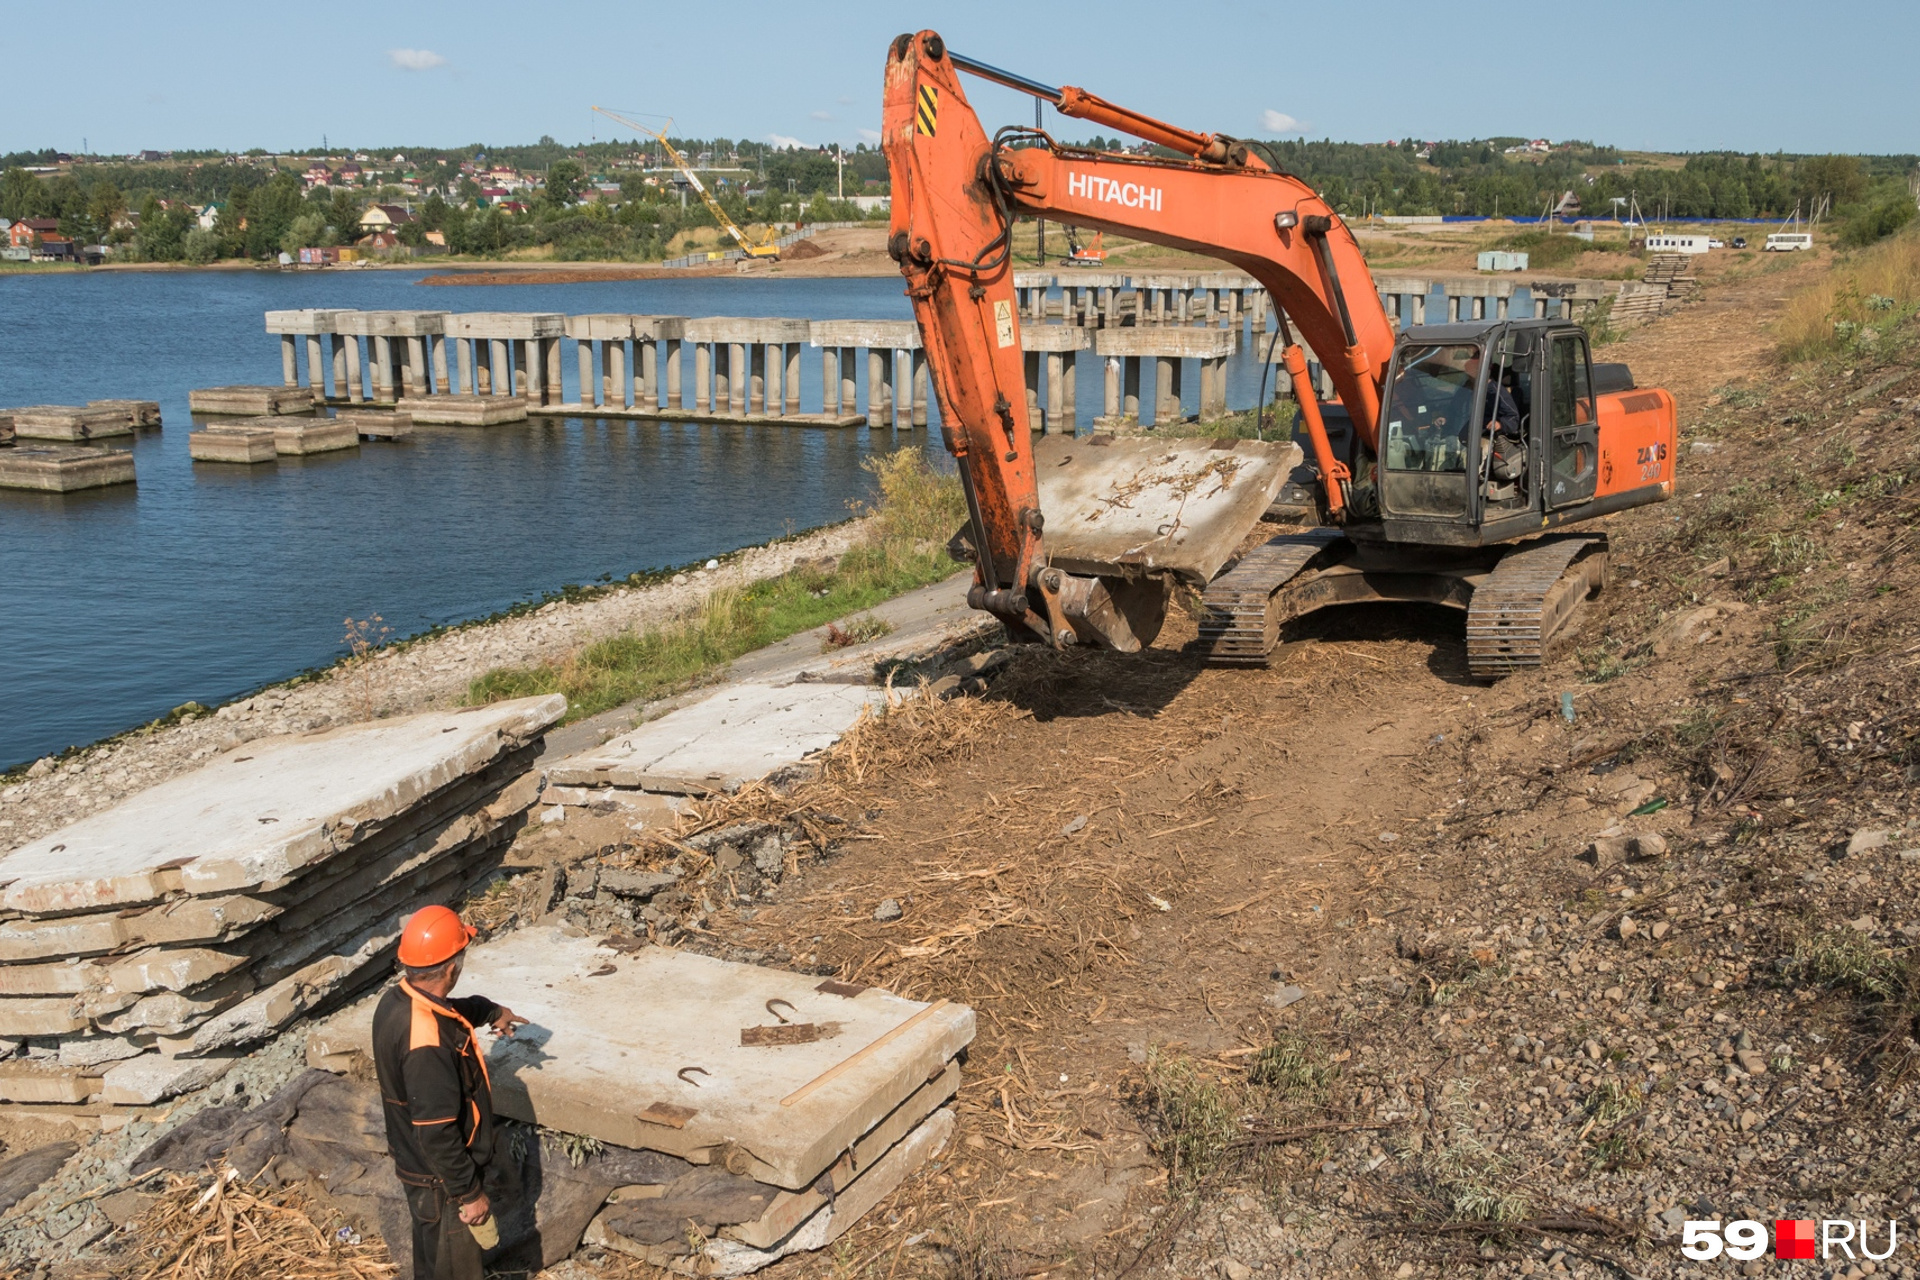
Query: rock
[769,854]
[1282,996]
[1593,1050]
[23,1175]
[1406,1269]
[636,884]
[1864,840]
[553,814]
[1234,1269]
[1078,824]
[1607,851]
[1864,924]
[1719,568]
[1748,1119]
[1751,1061]
[1627,928]
[889,909]
[41,767]
[1647,845]
[1660,929]
[713,564]
[1615,994]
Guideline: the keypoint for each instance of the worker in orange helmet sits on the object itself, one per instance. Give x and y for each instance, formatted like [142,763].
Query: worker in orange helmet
[437,1095]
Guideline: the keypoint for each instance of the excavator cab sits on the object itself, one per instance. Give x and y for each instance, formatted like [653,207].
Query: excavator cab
[1439,477]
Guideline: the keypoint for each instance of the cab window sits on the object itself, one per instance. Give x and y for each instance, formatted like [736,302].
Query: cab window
[1430,409]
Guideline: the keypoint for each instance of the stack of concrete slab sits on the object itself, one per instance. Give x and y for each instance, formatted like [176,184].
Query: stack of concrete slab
[232,443]
[70,424]
[795,1104]
[264,438]
[6,431]
[374,424]
[141,945]
[58,468]
[251,402]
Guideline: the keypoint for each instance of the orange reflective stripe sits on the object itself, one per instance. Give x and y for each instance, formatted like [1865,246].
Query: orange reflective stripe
[424,1004]
[426,1029]
[443,1120]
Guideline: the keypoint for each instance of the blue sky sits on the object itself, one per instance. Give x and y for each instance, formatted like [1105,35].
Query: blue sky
[1755,76]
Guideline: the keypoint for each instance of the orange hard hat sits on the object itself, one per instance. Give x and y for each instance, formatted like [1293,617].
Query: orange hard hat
[433,936]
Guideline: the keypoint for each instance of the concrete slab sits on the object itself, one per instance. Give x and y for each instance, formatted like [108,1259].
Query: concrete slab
[23,1081]
[643,413]
[315,435]
[182,920]
[302,322]
[724,1256]
[251,402]
[463,411]
[378,425]
[1178,341]
[70,424]
[6,431]
[264,811]
[1177,506]
[883,335]
[140,413]
[143,1081]
[740,733]
[389,324]
[610,1033]
[505,324]
[53,468]
[1054,337]
[248,445]
[747,329]
[607,327]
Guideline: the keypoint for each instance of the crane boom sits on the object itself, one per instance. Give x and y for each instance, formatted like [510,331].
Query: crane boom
[762,249]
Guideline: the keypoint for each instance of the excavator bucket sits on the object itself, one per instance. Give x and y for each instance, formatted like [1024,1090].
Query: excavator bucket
[1131,508]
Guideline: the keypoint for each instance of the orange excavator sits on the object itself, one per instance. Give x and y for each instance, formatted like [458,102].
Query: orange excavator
[1444,471]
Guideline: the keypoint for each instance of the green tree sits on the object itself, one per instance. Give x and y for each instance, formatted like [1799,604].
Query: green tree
[304,232]
[105,205]
[19,194]
[1843,178]
[343,212]
[200,246]
[564,181]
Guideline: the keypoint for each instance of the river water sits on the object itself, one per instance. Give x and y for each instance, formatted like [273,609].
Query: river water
[206,581]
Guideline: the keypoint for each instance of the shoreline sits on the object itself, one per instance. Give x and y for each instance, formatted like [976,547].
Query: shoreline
[429,670]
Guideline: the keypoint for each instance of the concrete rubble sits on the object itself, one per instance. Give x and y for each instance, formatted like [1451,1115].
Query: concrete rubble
[142,946]
[771,1148]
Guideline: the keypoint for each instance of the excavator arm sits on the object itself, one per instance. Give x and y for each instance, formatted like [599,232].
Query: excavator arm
[956,195]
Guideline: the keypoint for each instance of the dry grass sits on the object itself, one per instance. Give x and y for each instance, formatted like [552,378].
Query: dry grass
[1863,294]
[230,1230]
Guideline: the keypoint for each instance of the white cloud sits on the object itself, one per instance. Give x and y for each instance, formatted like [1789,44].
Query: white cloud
[784,143]
[869,135]
[416,59]
[821,115]
[1272,121]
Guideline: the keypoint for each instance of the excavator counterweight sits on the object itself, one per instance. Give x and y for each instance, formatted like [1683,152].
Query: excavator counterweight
[1436,474]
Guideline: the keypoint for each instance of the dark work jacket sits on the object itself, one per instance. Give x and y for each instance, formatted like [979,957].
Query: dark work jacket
[433,1082]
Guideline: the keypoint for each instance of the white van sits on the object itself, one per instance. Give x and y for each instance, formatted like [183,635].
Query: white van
[1787,241]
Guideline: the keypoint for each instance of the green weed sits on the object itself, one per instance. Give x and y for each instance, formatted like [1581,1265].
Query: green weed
[1190,1119]
[1477,1183]
[918,509]
[1848,959]
[1294,1067]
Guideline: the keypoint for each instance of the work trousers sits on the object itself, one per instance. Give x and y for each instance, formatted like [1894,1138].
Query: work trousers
[443,1247]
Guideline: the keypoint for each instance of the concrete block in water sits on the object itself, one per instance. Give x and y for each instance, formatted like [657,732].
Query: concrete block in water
[464,411]
[609,1034]
[251,402]
[1054,337]
[232,444]
[517,325]
[140,413]
[64,468]
[308,322]
[378,425]
[264,811]
[315,435]
[879,335]
[148,1079]
[1170,341]
[69,423]
[743,732]
[6,431]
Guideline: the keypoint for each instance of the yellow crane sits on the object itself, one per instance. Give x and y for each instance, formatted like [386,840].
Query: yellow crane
[762,248]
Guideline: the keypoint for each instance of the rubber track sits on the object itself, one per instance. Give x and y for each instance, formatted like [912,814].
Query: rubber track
[1233,617]
[1504,618]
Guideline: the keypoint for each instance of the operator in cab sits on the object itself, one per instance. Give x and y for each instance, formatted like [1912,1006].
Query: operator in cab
[438,1098]
[1501,414]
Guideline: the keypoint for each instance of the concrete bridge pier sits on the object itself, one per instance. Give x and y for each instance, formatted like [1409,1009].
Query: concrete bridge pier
[1053,348]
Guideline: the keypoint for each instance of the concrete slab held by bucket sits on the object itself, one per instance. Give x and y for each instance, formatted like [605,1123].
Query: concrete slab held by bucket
[1127,506]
